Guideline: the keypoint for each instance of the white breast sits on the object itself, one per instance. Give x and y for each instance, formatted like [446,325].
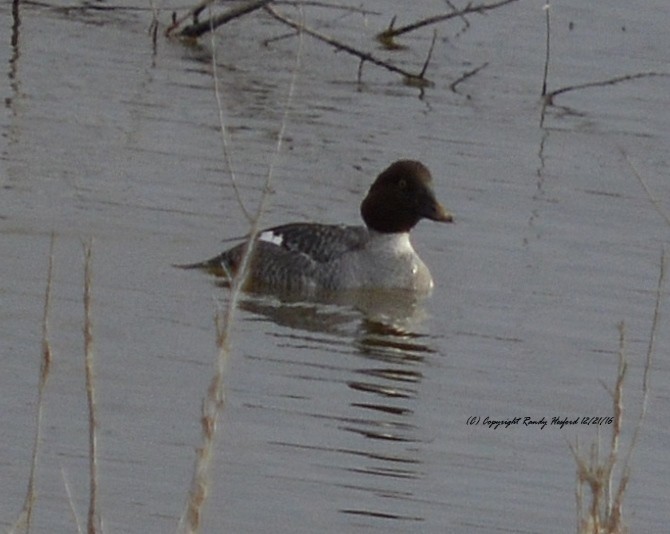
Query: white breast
[388,261]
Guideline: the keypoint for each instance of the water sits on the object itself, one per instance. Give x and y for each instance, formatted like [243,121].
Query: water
[333,422]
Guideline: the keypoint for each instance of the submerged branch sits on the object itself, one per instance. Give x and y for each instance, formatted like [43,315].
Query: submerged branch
[549,97]
[410,78]
[392,32]
[199,28]
[467,75]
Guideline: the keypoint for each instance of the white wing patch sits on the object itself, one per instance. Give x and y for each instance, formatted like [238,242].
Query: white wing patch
[270,237]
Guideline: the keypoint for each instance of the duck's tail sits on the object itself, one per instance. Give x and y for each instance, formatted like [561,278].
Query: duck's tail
[220,265]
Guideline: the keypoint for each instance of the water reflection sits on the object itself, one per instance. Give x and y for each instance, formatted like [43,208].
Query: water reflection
[384,314]
[381,380]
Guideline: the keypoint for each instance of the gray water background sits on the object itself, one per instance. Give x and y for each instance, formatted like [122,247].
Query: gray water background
[331,423]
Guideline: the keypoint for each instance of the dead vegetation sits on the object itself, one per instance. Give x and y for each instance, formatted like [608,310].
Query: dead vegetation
[603,476]
[189,26]
[94,525]
[548,97]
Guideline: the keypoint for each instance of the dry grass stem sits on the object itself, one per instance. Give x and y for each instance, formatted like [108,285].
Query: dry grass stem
[604,515]
[650,351]
[224,136]
[25,517]
[93,523]
[214,401]
[655,202]
[70,500]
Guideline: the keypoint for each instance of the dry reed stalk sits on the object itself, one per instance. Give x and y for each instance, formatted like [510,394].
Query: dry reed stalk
[605,513]
[94,523]
[655,202]
[214,401]
[25,517]
[224,138]
[70,500]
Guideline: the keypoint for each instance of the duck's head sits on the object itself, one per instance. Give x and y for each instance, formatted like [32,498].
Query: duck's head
[400,197]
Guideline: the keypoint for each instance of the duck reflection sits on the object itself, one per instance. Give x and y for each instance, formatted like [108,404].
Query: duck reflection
[374,343]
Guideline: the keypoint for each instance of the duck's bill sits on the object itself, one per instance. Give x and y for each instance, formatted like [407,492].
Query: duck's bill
[436,212]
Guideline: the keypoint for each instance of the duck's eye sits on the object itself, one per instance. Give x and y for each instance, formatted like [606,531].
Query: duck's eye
[402,183]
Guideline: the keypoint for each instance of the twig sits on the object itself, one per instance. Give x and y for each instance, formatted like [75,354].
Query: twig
[87,6]
[466,22]
[93,525]
[546,51]
[549,97]
[25,517]
[467,75]
[430,53]
[363,56]
[390,33]
[198,28]
[193,12]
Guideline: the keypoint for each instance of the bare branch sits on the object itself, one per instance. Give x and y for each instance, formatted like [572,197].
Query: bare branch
[549,97]
[479,8]
[410,78]
[467,75]
[199,28]
[430,53]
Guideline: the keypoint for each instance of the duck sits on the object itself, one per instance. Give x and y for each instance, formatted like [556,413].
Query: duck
[312,259]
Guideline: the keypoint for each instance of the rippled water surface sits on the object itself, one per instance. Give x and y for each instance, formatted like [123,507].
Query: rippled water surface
[339,417]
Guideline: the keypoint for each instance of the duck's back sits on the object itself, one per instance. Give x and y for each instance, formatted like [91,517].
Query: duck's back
[297,257]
